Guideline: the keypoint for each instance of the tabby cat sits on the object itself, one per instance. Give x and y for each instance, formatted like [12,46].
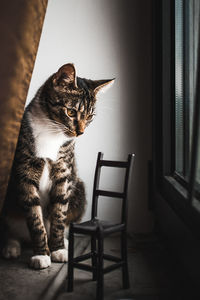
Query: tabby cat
[44,191]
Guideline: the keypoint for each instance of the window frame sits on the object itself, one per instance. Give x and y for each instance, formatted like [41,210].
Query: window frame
[166,183]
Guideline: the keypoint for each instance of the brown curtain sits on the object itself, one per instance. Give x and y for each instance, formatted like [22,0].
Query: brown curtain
[20,29]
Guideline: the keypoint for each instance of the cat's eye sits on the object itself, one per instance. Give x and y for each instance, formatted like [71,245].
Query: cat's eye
[71,112]
[90,117]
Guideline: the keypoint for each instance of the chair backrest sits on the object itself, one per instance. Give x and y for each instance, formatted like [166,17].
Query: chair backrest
[99,192]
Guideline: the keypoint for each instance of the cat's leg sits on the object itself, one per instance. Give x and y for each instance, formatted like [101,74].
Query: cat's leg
[12,248]
[30,201]
[41,258]
[63,214]
[60,192]
[68,206]
[58,242]
[29,172]
[77,203]
[63,192]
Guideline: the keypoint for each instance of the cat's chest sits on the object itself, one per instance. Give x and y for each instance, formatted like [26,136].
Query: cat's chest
[47,145]
[47,137]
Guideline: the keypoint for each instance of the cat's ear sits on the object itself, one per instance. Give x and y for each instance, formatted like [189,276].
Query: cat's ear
[65,76]
[102,85]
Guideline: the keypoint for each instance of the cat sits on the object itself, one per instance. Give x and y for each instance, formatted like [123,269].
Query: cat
[45,193]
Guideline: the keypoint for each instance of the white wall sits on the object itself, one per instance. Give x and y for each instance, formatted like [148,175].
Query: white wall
[106,39]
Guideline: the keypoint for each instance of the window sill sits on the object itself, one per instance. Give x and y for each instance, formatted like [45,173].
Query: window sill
[177,186]
[176,196]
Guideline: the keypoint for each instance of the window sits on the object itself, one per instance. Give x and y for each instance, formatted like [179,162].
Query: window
[176,108]
[185,41]
[186,14]
[182,109]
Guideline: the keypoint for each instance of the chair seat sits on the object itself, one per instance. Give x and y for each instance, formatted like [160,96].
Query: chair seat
[93,225]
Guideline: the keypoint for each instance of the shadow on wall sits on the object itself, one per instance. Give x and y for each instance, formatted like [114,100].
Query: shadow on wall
[132,27]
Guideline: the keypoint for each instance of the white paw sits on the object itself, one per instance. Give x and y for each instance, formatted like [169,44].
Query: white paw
[40,261]
[60,255]
[12,249]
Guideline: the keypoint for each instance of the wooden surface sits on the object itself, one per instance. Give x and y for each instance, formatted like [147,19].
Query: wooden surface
[20,29]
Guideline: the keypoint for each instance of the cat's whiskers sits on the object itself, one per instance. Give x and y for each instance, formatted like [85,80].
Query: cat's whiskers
[54,123]
[58,132]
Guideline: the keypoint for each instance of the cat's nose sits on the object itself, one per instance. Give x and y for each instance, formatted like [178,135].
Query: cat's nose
[80,127]
[79,132]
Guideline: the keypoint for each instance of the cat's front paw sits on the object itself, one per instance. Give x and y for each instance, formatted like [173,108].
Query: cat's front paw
[40,261]
[12,249]
[60,255]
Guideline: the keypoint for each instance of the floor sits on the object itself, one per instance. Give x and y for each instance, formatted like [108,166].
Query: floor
[19,282]
[153,276]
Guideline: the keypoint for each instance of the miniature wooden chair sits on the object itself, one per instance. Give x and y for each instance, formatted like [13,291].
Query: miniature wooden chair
[99,229]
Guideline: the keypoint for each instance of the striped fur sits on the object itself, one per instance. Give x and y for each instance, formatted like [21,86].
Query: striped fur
[44,186]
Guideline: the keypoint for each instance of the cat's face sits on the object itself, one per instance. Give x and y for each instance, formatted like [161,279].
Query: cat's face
[71,100]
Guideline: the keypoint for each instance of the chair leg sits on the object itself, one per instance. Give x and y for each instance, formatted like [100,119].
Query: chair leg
[125,274]
[70,260]
[94,257]
[100,281]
